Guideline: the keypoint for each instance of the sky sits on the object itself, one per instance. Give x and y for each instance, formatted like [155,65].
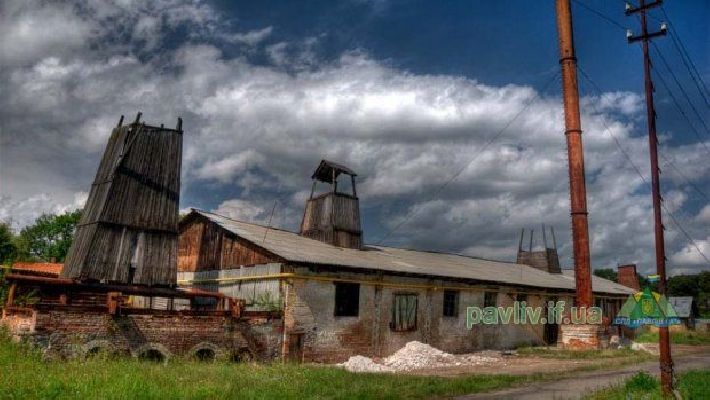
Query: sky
[450,113]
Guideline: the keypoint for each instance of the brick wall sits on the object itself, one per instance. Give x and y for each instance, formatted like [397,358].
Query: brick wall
[309,312]
[67,333]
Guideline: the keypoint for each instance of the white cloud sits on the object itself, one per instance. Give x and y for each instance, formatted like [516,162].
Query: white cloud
[250,38]
[703,216]
[259,130]
[689,256]
[23,212]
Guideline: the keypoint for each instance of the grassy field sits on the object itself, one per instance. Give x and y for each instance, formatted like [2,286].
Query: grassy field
[690,337]
[23,375]
[631,355]
[692,385]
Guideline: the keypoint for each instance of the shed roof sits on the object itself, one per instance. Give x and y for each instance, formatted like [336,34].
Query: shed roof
[39,268]
[682,305]
[294,248]
[325,170]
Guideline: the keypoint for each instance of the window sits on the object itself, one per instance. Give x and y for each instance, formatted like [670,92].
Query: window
[451,303]
[404,312]
[490,299]
[521,298]
[347,299]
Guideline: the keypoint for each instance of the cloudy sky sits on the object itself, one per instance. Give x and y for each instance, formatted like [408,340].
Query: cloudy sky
[407,93]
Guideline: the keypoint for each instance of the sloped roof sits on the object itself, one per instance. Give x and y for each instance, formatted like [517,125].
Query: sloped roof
[292,247]
[682,305]
[40,268]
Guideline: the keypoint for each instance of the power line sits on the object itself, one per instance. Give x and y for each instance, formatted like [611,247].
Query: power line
[638,171]
[601,15]
[675,78]
[688,181]
[682,112]
[475,156]
[687,61]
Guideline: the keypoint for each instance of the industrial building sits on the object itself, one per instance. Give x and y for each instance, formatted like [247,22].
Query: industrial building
[338,297]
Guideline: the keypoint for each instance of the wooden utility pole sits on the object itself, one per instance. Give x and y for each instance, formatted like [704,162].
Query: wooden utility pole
[664,343]
[573,134]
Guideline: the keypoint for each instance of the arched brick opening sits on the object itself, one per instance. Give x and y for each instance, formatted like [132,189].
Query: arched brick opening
[98,347]
[152,352]
[206,352]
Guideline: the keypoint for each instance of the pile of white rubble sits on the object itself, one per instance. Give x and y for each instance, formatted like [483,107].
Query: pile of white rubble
[416,355]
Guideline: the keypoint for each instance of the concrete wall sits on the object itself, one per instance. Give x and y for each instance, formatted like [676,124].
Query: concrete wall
[309,312]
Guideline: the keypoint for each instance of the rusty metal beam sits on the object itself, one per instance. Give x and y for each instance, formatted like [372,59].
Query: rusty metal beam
[573,134]
[106,288]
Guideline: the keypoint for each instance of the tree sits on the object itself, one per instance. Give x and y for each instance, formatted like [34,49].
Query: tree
[606,273]
[48,238]
[7,244]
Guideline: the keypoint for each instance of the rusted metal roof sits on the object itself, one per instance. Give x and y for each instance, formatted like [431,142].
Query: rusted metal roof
[38,268]
[292,247]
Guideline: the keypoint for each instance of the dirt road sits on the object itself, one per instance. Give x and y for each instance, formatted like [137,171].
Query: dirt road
[587,382]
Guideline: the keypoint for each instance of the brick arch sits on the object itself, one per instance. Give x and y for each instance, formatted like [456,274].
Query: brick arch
[152,346]
[218,352]
[101,345]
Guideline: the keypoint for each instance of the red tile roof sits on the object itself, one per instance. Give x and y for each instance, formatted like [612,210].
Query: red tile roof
[39,268]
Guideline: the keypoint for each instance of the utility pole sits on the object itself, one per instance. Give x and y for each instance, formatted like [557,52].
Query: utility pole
[664,342]
[573,134]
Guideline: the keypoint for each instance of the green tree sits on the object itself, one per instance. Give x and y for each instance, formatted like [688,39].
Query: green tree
[49,237]
[606,273]
[7,244]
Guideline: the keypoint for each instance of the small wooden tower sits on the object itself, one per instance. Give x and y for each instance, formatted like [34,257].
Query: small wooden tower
[333,217]
[545,260]
[129,229]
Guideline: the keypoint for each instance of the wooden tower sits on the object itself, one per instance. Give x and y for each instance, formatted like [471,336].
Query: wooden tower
[333,217]
[545,260]
[129,229]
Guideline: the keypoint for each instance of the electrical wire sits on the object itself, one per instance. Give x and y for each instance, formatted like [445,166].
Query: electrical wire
[687,61]
[475,156]
[638,171]
[701,140]
[600,15]
[675,78]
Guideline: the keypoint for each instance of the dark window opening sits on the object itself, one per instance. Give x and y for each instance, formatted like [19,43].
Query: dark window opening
[521,298]
[490,299]
[205,355]
[451,303]
[347,299]
[152,355]
[404,313]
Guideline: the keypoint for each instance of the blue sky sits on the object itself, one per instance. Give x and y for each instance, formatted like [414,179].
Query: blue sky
[405,92]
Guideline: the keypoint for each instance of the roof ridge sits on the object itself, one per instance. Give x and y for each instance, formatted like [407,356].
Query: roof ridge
[242,222]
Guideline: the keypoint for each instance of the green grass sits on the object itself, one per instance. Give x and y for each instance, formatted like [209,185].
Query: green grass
[692,385]
[689,337]
[584,354]
[23,375]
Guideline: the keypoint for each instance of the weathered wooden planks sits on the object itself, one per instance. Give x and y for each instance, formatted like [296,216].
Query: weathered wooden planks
[129,228]
[204,245]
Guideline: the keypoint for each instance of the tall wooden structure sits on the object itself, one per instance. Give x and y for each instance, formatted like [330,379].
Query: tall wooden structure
[545,260]
[128,233]
[333,217]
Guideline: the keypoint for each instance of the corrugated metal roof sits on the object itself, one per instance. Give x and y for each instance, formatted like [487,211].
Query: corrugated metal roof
[682,305]
[292,247]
